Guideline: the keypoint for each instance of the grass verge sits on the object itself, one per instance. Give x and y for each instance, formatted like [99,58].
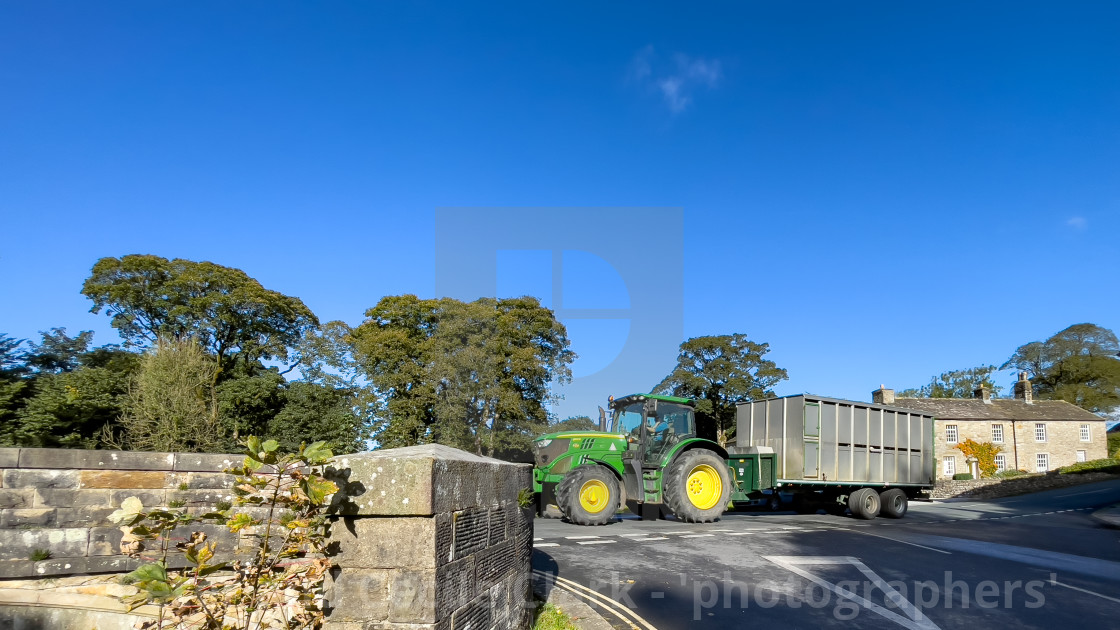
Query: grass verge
[550,617]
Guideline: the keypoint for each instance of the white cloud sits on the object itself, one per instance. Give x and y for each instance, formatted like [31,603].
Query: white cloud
[1077,223]
[675,81]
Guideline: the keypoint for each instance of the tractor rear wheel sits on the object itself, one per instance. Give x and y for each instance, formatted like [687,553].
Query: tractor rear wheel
[864,503]
[588,495]
[697,486]
[894,502]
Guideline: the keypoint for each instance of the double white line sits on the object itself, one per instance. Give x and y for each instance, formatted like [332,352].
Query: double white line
[618,610]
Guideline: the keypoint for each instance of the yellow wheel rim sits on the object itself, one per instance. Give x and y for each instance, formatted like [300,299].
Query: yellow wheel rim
[593,496]
[705,487]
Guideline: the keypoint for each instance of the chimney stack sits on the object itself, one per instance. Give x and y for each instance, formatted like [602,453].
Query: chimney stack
[883,396]
[1023,389]
[983,393]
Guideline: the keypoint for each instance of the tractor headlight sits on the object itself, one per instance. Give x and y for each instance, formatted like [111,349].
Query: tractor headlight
[543,443]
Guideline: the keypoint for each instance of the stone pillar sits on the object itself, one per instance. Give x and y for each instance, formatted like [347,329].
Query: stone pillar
[429,537]
[983,393]
[883,396]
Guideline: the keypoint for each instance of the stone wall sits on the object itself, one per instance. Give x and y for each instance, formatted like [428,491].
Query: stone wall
[423,537]
[59,501]
[995,488]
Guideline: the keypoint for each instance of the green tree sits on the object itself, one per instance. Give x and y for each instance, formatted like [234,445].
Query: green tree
[312,412]
[1079,365]
[59,352]
[13,387]
[573,423]
[229,313]
[69,409]
[472,375]
[956,384]
[171,404]
[719,372]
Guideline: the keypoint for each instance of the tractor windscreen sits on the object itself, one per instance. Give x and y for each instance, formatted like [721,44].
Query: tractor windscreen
[627,419]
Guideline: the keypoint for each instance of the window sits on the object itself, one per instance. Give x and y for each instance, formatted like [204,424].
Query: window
[1040,432]
[951,433]
[1042,462]
[1086,433]
[997,433]
[1001,462]
[950,464]
[1082,456]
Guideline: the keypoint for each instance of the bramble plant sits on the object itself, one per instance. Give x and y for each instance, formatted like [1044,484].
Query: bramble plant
[278,584]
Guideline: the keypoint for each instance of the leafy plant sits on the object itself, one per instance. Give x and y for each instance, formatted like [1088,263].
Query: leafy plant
[279,584]
[38,555]
[1010,473]
[1097,465]
[962,477]
[525,498]
[985,454]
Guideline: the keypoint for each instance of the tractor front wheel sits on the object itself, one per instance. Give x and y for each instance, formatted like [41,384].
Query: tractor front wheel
[588,495]
[697,486]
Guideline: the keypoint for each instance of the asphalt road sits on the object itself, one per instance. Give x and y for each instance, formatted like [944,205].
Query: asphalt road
[1034,561]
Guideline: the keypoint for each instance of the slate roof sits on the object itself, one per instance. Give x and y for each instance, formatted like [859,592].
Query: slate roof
[998,409]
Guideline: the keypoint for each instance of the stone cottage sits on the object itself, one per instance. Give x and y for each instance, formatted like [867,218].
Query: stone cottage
[1035,435]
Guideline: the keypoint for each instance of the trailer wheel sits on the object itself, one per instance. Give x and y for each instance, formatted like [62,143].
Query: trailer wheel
[697,486]
[864,503]
[894,503]
[588,495]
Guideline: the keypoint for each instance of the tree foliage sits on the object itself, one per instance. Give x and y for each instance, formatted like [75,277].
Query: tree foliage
[471,375]
[1079,364]
[171,404]
[572,423]
[956,384]
[718,372]
[229,313]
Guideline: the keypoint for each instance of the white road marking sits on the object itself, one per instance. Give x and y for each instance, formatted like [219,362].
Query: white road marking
[866,533]
[634,535]
[596,542]
[698,536]
[1083,590]
[649,539]
[580,537]
[537,539]
[914,619]
[546,545]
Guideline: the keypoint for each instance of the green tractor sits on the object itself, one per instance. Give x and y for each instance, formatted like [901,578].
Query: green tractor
[646,456]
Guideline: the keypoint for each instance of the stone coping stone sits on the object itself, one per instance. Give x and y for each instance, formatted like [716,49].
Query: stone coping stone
[422,481]
[9,457]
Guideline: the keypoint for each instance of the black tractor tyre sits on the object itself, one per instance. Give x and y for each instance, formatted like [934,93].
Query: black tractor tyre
[688,490]
[895,503]
[864,503]
[588,495]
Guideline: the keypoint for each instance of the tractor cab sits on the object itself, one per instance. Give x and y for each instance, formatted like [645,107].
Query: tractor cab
[653,424]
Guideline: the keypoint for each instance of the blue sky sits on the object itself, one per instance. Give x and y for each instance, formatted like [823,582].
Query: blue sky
[881,191]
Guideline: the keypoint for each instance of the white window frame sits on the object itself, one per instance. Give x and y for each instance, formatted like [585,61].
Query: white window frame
[1086,433]
[1040,432]
[1001,462]
[949,465]
[1042,462]
[1082,456]
[997,434]
[952,434]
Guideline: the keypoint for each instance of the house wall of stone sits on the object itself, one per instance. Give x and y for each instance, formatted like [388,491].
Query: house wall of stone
[1063,440]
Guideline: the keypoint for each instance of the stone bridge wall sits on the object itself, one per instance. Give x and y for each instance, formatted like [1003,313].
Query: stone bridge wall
[423,537]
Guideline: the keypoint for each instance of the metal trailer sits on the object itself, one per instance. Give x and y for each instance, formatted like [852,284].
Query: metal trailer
[863,456]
